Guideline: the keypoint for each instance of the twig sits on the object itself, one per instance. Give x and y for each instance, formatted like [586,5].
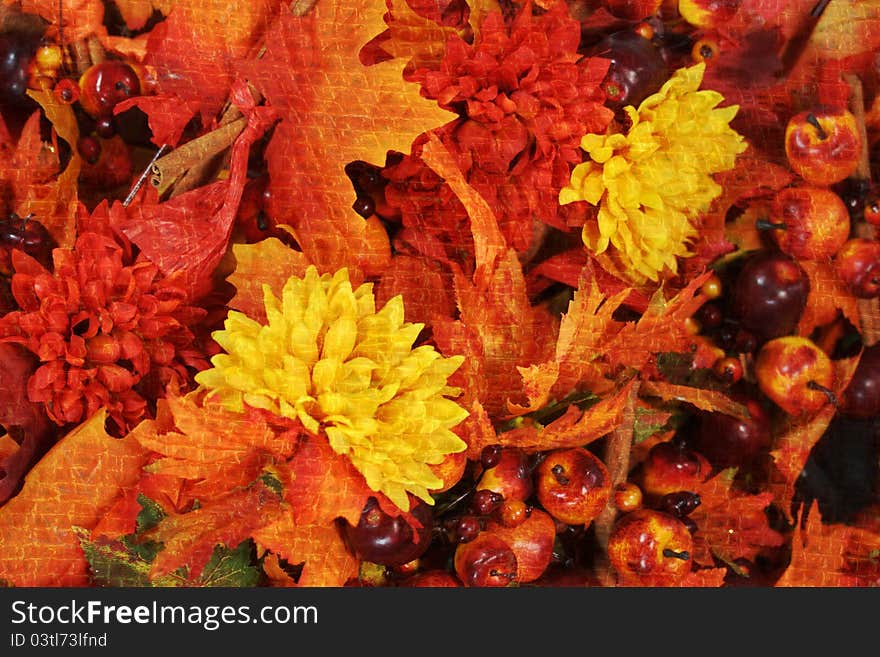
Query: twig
[617,453]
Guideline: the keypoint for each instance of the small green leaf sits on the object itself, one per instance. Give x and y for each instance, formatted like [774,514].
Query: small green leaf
[231,567]
[151,514]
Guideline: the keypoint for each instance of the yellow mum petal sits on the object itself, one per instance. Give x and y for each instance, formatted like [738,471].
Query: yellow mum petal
[328,358]
[664,163]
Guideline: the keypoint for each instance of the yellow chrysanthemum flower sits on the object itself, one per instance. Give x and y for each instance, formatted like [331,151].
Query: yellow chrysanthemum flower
[650,182]
[330,359]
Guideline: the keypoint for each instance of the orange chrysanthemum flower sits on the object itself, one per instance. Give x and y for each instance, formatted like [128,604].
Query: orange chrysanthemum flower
[108,334]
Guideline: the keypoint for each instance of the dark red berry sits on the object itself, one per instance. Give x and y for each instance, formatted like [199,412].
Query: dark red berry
[28,235]
[467,529]
[490,456]
[485,502]
[680,503]
[389,540]
[89,148]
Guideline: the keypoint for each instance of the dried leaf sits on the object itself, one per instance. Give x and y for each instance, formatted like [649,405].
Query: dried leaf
[702,398]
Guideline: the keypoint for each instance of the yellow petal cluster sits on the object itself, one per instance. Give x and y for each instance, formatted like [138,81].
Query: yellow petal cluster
[327,357]
[652,180]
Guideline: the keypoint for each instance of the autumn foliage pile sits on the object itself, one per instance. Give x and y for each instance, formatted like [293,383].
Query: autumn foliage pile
[448,293]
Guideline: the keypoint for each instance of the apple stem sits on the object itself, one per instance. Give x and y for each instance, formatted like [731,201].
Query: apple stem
[832,398]
[798,43]
[813,121]
[766,224]
[684,555]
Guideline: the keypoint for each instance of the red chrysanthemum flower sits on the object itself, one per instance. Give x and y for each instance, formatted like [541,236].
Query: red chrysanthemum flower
[108,334]
[526,96]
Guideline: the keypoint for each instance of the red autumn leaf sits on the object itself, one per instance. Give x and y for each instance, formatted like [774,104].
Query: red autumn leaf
[189,234]
[818,557]
[194,51]
[319,548]
[72,486]
[732,524]
[312,63]
[190,538]
[424,286]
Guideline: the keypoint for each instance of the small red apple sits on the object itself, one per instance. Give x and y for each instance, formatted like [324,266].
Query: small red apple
[858,265]
[809,222]
[650,548]
[823,145]
[434,578]
[671,467]
[796,374]
[573,485]
[510,476]
[627,497]
[487,561]
[531,541]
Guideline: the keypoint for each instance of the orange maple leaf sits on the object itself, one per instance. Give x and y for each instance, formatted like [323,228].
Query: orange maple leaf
[190,538]
[828,298]
[733,524]
[319,548]
[818,556]
[335,110]
[215,450]
[268,262]
[70,487]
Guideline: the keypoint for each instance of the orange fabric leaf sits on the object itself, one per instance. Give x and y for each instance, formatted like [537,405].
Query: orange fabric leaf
[320,548]
[660,329]
[702,398]
[574,427]
[413,37]
[326,485]
[818,558]
[826,299]
[312,63]
[190,538]
[733,524]
[268,262]
[71,486]
[215,449]
[424,286]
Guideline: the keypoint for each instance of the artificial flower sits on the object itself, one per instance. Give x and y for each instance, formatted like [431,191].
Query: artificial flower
[526,96]
[107,333]
[651,181]
[328,358]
